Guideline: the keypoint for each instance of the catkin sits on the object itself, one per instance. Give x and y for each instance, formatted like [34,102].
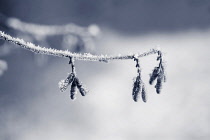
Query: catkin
[143,94]
[154,75]
[136,88]
[81,88]
[164,78]
[63,84]
[164,73]
[73,90]
[158,85]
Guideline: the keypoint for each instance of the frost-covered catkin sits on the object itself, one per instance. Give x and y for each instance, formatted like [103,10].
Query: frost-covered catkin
[143,94]
[136,88]
[73,90]
[159,74]
[63,84]
[81,88]
[158,85]
[154,75]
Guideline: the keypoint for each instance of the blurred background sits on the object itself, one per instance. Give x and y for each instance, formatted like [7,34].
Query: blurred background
[32,107]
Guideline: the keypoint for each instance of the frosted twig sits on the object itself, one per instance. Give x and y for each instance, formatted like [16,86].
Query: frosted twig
[65,53]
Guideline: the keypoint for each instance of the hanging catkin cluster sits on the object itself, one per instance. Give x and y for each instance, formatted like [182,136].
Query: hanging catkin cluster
[138,86]
[158,74]
[74,82]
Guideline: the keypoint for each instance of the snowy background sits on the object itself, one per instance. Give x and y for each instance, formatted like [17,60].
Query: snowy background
[32,107]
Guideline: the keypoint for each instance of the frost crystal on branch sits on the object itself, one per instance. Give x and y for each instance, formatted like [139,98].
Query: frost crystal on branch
[64,53]
[62,85]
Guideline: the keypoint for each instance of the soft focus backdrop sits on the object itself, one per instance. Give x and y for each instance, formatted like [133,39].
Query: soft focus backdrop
[32,107]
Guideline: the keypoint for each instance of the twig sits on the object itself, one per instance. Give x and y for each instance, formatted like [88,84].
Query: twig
[71,62]
[65,53]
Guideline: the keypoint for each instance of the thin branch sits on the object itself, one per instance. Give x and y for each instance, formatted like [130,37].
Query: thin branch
[71,62]
[48,30]
[65,53]
[83,37]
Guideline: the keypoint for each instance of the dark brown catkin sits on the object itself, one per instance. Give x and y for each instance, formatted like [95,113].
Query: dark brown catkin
[136,88]
[154,75]
[143,94]
[81,88]
[70,78]
[73,90]
[158,85]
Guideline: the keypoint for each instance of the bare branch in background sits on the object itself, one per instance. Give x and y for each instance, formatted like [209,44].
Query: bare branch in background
[3,67]
[41,32]
[69,37]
